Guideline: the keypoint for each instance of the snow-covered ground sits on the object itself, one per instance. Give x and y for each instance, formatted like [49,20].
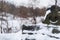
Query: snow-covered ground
[11,36]
[44,33]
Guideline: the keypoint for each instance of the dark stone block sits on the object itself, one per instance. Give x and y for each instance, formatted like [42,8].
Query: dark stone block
[55,31]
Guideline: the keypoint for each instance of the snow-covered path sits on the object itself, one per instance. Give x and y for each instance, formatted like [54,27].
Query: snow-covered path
[11,36]
[43,34]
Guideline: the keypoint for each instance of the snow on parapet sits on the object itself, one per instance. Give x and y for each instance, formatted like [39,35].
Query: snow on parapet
[47,12]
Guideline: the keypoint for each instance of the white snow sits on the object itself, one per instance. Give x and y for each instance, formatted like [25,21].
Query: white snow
[34,3]
[42,34]
[11,36]
[54,22]
[47,12]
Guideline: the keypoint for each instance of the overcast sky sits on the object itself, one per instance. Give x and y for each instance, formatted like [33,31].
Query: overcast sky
[38,3]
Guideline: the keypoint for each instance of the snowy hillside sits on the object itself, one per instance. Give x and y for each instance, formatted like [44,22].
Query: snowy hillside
[16,22]
[44,33]
[11,25]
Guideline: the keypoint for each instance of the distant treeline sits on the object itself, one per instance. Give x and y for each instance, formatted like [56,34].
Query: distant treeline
[21,11]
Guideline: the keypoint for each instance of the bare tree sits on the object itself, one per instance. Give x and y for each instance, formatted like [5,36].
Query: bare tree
[1,13]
